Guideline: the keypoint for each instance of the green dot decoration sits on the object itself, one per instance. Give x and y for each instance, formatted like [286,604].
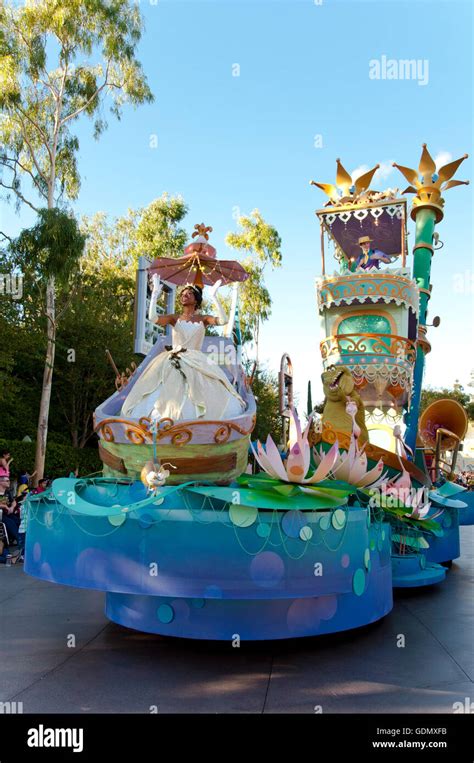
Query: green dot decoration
[372,545]
[422,561]
[263,530]
[243,516]
[358,582]
[306,533]
[383,534]
[117,519]
[338,519]
[165,613]
[367,558]
[447,521]
[368,517]
[324,522]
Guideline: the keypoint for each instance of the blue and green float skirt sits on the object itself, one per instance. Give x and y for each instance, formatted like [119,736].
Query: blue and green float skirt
[191,561]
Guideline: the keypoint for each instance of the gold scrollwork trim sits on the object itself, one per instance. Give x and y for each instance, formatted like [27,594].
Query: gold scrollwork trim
[180,434]
[136,434]
[381,344]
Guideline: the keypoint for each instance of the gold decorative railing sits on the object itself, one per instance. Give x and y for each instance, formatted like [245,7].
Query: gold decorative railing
[179,434]
[369,344]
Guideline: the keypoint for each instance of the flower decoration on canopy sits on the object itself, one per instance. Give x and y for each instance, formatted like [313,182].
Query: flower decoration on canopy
[428,183]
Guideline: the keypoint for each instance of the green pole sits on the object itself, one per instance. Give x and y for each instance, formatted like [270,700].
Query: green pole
[422,254]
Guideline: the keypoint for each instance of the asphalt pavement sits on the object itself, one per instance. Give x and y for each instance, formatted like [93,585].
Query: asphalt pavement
[60,654]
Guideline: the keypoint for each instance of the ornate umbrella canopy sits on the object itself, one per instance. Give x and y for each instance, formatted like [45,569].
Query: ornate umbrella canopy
[199,265]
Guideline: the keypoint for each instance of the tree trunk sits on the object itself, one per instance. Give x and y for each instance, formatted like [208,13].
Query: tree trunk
[42,432]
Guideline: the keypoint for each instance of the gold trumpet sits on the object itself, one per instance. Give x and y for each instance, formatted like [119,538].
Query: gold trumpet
[442,428]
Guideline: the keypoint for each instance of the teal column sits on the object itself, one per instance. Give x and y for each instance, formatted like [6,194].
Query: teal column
[425,225]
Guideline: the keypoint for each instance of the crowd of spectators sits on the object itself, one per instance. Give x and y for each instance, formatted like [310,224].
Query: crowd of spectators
[13,508]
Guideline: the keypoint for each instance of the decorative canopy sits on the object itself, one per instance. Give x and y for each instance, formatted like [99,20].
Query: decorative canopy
[198,266]
[384,223]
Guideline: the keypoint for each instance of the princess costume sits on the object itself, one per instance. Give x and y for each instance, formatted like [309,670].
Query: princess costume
[182,382]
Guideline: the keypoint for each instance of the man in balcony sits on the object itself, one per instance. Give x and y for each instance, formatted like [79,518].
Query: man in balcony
[368,257]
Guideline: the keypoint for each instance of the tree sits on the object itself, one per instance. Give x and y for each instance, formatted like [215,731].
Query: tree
[266,391]
[49,80]
[100,317]
[158,232]
[430,395]
[263,243]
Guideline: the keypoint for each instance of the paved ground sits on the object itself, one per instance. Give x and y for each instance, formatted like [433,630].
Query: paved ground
[112,669]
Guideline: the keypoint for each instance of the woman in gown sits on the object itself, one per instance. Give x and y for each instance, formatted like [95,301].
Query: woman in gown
[183,383]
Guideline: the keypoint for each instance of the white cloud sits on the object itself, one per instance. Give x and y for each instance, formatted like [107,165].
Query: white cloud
[442,158]
[382,173]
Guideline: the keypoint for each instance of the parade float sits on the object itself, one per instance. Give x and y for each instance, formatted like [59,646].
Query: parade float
[185,539]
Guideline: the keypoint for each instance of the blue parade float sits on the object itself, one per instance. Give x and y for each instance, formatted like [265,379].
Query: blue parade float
[184,541]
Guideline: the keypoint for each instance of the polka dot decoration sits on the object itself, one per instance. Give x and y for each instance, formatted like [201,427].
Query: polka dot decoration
[306,533]
[243,516]
[165,613]
[358,582]
[292,523]
[117,519]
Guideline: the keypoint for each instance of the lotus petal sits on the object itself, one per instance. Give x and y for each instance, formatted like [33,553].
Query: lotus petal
[373,477]
[326,465]
[265,463]
[342,468]
[275,459]
[295,464]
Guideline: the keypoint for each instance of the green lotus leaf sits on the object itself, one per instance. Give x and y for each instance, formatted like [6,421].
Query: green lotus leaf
[268,499]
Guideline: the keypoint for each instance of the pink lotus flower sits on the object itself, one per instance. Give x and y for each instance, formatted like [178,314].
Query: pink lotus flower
[296,465]
[351,467]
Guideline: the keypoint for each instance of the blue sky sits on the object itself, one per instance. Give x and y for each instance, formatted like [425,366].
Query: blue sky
[230,144]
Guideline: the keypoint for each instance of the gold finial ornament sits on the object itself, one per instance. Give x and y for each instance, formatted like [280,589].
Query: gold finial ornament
[202,230]
[346,190]
[429,183]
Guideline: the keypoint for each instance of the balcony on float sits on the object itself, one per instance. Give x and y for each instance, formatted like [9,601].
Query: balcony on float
[368,306]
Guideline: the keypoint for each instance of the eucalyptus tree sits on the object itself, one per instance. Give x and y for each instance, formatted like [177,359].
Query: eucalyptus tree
[262,244]
[60,60]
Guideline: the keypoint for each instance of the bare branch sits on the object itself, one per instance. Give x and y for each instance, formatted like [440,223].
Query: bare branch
[19,194]
[36,126]
[4,160]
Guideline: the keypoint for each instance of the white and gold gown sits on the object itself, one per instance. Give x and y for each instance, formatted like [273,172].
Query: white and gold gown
[183,383]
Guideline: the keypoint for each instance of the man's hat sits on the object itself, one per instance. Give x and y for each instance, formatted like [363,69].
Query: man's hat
[365,240]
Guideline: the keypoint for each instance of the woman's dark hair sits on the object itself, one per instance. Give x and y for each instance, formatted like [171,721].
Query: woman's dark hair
[6,452]
[197,291]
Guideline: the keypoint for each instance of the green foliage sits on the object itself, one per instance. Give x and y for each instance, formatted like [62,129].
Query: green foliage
[258,238]
[59,58]
[266,391]
[431,395]
[263,243]
[52,247]
[61,459]
[158,231]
